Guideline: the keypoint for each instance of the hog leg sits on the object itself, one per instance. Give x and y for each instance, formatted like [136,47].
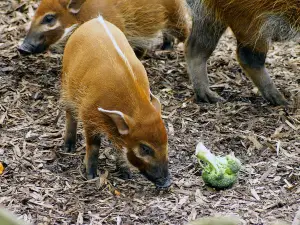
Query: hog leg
[204,37]
[140,52]
[92,153]
[168,42]
[253,63]
[71,132]
[122,167]
[177,25]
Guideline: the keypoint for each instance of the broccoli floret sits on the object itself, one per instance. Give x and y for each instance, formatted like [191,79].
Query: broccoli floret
[218,172]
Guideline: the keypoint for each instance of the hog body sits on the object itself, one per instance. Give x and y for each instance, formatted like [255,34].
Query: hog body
[139,20]
[106,87]
[255,24]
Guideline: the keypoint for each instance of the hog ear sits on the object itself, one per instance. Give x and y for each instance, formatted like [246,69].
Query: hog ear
[74,6]
[119,119]
[155,102]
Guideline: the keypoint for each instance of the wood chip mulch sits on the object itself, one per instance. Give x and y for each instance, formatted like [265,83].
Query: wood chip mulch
[44,185]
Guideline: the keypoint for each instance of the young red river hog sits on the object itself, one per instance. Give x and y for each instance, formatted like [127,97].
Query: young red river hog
[106,87]
[139,20]
[255,24]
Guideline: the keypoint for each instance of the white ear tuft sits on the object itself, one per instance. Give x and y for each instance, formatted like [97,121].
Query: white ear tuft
[74,6]
[155,102]
[119,119]
[74,11]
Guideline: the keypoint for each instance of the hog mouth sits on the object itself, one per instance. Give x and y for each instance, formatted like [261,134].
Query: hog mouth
[160,183]
[28,49]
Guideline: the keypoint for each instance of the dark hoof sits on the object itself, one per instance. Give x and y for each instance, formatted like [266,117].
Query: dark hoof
[208,97]
[124,173]
[275,98]
[168,42]
[91,176]
[91,168]
[91,173]
[70,146]
[167,46]
[140,52]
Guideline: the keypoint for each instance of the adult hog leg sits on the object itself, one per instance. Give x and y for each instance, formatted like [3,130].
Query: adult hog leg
[71,132]
[92,153]
[140,52]
[122,166]
[204,37]
[168,42]
[253,63]
[177,25]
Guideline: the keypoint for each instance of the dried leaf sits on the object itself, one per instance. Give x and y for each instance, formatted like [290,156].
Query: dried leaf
[117,193]
[2,168]
[254,194]
[256,143]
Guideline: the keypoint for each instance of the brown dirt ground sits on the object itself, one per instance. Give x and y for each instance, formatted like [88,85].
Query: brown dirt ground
[45,186]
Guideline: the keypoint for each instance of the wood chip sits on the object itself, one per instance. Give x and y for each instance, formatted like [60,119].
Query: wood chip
[254,194]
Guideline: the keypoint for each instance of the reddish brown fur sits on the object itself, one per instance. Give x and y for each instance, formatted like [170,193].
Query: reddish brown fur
[94,75]
[138,19]
[255,23]
[246,18]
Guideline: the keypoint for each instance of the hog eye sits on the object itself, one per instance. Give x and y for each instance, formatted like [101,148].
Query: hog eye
[146,150]
[49,19]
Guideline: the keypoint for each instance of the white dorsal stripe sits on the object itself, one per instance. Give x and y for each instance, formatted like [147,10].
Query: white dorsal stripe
[121,54]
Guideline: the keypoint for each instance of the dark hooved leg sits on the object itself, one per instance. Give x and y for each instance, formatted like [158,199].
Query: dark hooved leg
[253,63]
[177,24]
[92,154]
[122,167]
[168,42]
[140,52]
[204,37]
[71,132]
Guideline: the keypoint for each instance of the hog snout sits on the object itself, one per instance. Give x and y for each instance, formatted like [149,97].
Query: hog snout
[33,44]
[25,49]
[164,183]
[28,48]
[159,175]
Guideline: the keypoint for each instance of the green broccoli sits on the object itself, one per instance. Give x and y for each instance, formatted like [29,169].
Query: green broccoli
[219,172]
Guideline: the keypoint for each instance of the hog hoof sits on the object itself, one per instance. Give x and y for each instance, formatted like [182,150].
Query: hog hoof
[91,174]
[70,146]
[124,173]
[168,42]
[208,96]
[275,97]
[140,52]
[91,167]
[167,46]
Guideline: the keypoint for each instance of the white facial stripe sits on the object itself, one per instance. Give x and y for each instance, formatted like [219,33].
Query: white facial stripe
[67,32]
[45,27]
[137,153]
[56,25]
